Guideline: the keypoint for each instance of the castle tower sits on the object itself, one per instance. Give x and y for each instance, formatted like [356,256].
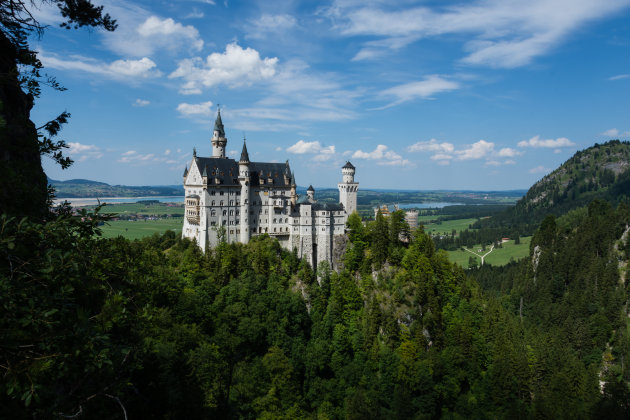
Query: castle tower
[310,193]
[348,189]
[293,193]
[218,138]
[243,178]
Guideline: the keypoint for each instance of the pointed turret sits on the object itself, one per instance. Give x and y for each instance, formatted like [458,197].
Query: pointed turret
[219,141]
[185,171]
[205,171]
[310,193]
[218,125]
[244,154]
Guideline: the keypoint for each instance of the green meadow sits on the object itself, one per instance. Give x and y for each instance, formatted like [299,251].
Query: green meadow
[499,256]
[141,228]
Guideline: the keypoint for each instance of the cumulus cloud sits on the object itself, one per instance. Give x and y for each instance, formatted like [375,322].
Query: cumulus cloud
[476,150]
[82,152]
[499,33]
[509,152]
[201,109]
[119,69]
[422,89]
[236,66]
[133,157]
[141,102]
[138,35]
[431,146]
[322,153]
[382,155]
[537,142]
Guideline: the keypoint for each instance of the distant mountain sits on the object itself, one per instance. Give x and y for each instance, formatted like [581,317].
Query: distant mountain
[85,188]
[599,172]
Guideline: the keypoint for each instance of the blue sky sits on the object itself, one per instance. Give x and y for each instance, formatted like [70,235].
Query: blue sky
[485,95]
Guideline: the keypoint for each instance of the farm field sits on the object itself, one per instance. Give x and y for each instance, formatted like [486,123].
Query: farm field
[139,229]
[498,257]
[447,226]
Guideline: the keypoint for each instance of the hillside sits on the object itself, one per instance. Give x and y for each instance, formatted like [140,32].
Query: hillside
[599,172]
[85,188]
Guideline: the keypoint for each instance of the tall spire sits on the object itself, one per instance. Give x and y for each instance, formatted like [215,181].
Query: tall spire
[244,154]
[218,124]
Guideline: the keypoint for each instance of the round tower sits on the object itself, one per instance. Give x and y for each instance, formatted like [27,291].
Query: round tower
[348,188]
[219,141]
[243,178]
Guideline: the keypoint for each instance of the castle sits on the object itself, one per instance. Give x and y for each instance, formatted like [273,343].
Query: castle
[232,201]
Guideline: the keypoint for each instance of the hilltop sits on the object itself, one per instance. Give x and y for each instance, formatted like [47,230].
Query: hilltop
[85,188]
[599,172]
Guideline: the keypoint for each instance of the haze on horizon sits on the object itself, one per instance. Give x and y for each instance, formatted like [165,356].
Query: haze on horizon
[425,95]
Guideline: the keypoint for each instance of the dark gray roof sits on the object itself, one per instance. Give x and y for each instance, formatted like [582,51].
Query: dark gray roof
[327,206]
[244,154]
[205,171]
[225,171]
[348,165]
[218,125]
[310,188]
[186,170]
[303,200]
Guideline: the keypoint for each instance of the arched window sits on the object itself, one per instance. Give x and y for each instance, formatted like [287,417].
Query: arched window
[225,213]
[213,213]
[221,203]
[213,202]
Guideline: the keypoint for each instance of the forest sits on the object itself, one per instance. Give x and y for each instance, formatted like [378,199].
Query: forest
[94,327]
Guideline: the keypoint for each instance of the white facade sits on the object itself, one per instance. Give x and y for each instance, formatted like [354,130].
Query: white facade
[234,201]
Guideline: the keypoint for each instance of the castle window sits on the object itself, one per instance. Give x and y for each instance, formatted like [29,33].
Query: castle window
[213,223]
[225,212]
[221,203]
[213,202]
[274,229]
[232,222]
[231,231]
[221,193]
[231,212]
[212,192]
[213,213]
[238,212]
[224,223]
[231,202]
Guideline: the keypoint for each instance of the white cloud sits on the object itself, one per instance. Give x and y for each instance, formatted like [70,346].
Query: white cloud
[509,152]
[619,77]
[322,153]
[167,152]
[235,67]
[138,35]
[537,142]
[539,170]
[141,102]
[500,33]
[476,150]
[119,69]
[203,108]
[613,132]
[82,152]
[441,156]
[382,155]
[423,89]
[269,24]
[431,146]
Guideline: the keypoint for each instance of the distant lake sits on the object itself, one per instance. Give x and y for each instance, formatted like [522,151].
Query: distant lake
[427,205]
[77,202]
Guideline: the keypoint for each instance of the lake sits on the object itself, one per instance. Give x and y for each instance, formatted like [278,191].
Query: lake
[77,202]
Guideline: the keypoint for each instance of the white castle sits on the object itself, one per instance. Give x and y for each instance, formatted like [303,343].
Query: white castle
[232,201]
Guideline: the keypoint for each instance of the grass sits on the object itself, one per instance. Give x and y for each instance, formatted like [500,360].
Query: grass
[140,229]
[498,257]
[447,226]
